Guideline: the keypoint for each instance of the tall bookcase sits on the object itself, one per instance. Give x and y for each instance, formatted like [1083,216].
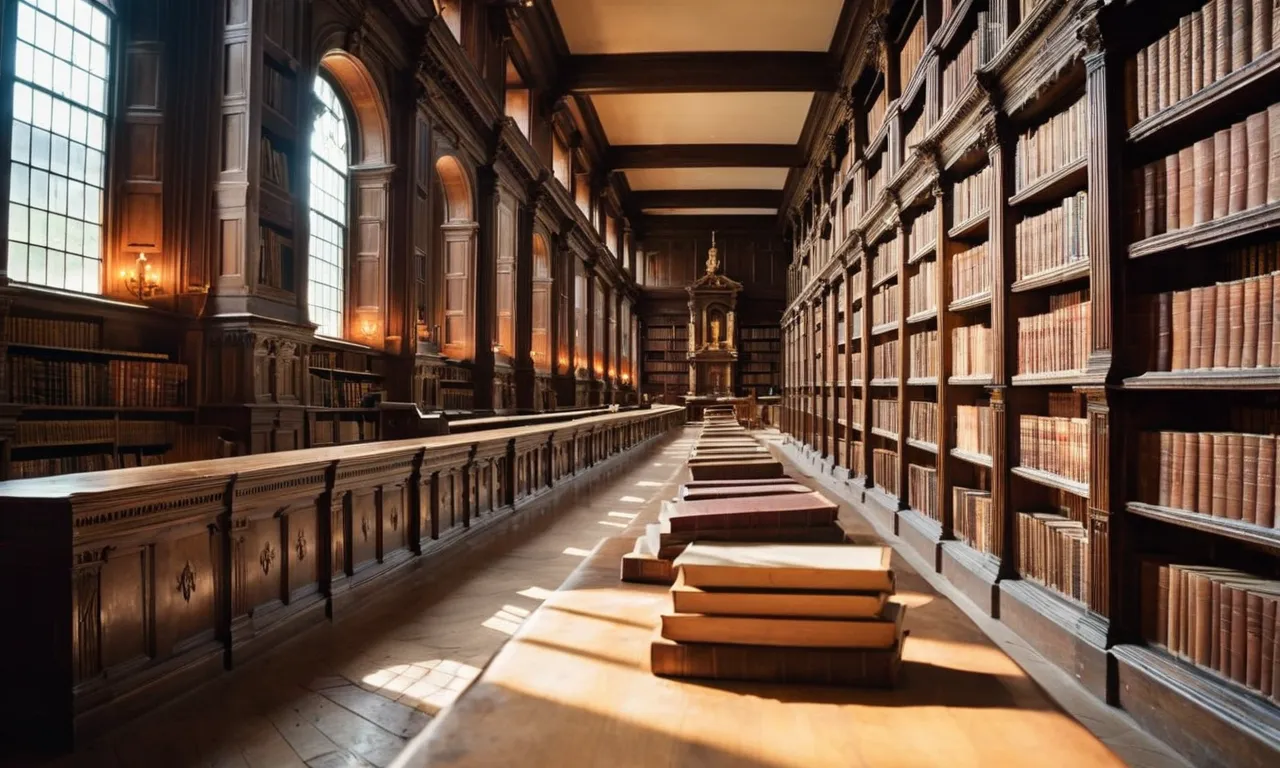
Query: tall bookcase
[1059,220]
[665,371]
[760,359]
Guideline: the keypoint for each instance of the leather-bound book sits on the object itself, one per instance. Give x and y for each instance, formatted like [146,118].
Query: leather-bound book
[1164,331]
[1177,465]
[1195,338]
[1239,192]
[1165,489]
[1266,286]
[1221,325]
[1249,345]
[1208,311]
[1204,473]
[1181,330]
[1257,133]
[1219,508]
[1249,491]
[1261,42]
[1266,501]
[1172,189]
[1187,186]
[1273,152]
[1235,319]
[1235,475]
[1222,41]
[1202,178]
[1197,52]
[1221,173]
[1241,33]
[1190,470]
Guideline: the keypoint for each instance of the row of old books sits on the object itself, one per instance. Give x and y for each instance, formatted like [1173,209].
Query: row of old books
[1236,169]
[924,354]
[922,490]
[115,383]
[1219,619]
[923,421]
[71,334]
[1047,148]
[970,273]
[884,415]
[971,518]
[1053,549]
[1227,475]
[1055,238]
[884,362]
[36,433]
[1202,48]
[1056,445]
[884,470]
[1057,340]
[971,196]
[1223,326]
[886,305]
[924,230]
[975,431]
[971,350]
[923,293]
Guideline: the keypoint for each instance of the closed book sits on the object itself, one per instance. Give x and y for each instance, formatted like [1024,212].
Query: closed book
[1208,311]
[857,667]
[1258,136]
[1238,199]
[786,632]
[788,566]
[1221,173]
[765,602]
[1266,286]
[1202,178]
[1204,475]
[1187,185]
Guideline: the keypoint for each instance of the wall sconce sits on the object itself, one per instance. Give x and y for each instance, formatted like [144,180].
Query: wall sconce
[143,281]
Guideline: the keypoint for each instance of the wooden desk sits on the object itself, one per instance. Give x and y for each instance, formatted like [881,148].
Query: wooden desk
[573,688]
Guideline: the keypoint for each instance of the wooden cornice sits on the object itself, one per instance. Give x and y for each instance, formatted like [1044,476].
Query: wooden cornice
[708,198]
[627,157]
[700,72]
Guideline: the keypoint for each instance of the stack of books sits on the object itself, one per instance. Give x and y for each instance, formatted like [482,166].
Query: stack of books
[785,613]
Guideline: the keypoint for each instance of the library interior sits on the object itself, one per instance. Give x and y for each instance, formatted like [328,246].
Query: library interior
[641,383]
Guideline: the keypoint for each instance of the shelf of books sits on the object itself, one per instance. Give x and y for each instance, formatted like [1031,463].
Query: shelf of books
[1063,284]
[345,388]
[82,406]
[760,359]
[665,371]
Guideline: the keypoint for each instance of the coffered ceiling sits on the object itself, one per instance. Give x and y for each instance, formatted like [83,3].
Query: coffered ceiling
[703,103]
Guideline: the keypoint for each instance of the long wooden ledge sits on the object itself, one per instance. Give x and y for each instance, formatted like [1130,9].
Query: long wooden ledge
[124,588]
[573,688]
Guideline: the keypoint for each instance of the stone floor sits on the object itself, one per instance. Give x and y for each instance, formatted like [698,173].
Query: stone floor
[352,694]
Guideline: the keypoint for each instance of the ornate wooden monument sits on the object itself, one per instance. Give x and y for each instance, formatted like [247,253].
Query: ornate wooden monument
[713,299]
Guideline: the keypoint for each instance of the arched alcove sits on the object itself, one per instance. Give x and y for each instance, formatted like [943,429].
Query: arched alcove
[455,265]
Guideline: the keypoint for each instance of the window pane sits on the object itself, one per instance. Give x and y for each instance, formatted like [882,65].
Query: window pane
[59,137]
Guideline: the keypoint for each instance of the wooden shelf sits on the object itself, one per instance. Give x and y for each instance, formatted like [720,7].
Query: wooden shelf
[1056,378]
[979,380]
[1235,378]
[1065,181]
[971,229]
[1048,479]
[922,445]
[113,354]
[976,301]
[1075,270]
[1221,526]
[923,317]
[980,459]
[1250,222]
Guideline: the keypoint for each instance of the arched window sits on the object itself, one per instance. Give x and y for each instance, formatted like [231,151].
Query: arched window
[330,162]
[58,161]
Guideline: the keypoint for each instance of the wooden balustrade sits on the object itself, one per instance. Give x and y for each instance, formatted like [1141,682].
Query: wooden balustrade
[125,588]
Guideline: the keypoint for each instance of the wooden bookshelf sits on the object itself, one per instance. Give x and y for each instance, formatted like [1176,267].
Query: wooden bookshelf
[1049,276]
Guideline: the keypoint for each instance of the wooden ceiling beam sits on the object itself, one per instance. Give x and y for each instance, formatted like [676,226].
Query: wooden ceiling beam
[708,198]
[736,71]
[634,156]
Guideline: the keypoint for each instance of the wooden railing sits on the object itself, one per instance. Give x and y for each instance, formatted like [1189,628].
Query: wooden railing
[122,589]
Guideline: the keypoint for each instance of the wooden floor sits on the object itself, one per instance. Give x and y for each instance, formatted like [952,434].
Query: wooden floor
[573,688]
